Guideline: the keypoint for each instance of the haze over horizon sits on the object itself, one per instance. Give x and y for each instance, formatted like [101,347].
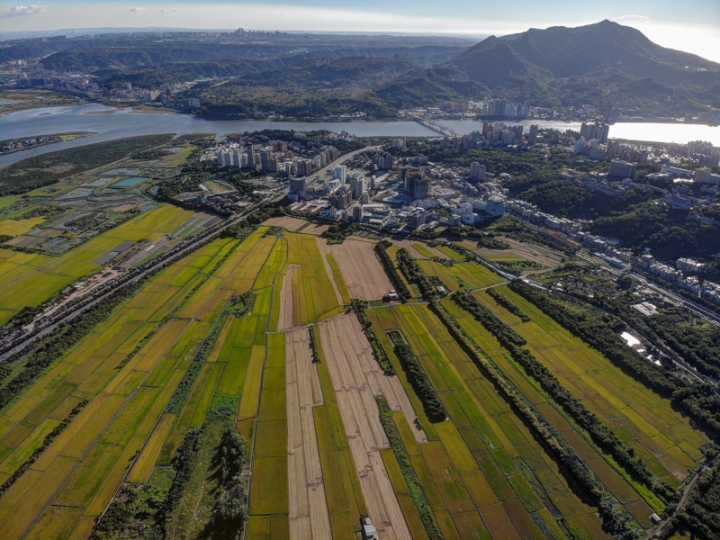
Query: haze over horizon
[694,29]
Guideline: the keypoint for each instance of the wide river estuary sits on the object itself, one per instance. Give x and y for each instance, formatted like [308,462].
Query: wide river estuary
[109,124]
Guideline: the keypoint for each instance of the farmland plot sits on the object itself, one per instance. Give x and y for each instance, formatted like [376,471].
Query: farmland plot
[308,511]
[485,457]
[360,268]
[355,382]
[660,435]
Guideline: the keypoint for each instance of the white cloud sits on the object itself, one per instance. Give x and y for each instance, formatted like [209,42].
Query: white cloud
[630,19]
[137,9]
[23,11]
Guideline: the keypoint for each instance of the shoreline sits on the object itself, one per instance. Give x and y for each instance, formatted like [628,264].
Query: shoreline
[69,136]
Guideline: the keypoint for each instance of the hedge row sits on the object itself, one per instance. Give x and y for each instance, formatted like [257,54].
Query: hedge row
[434,409]
[414,274]
[416,491]
[236,307]
[604,437]
[616,519]
[400,288]
[359,307]
[49,438]
[504,334]
[505,302]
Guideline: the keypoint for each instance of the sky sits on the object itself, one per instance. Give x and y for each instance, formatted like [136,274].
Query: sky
[693,26]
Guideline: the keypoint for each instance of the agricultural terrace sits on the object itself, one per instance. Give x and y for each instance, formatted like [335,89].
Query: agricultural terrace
[661,436]
[483,472]
[31,279]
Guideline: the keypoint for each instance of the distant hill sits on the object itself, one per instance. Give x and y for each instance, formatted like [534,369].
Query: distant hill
[570,66]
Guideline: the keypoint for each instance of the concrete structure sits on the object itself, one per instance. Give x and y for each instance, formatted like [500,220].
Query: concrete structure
[622,169]
[298,187]
[495,206]
[477,172]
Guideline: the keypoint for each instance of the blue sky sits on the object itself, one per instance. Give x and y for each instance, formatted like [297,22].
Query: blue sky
[693,25]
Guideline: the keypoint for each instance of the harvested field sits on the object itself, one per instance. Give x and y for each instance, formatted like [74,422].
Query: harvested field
[286,300]
[355,377]
[520,250]
[315,229]
[410,246]
[308,510]
[286,222]
[363,273]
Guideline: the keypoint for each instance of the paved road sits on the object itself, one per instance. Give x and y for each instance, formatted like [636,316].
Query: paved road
[314,177]
[685,496]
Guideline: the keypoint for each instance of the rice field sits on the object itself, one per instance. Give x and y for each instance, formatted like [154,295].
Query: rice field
[485,471]
[661,436]
[16,227]
[469,275]
[482,471]
[128,369]
[38,277]
[313,293]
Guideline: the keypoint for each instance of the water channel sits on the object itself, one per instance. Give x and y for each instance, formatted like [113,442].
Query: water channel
[108,123]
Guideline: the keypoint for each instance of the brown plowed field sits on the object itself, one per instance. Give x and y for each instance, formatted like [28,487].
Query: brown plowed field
[285,320]
[317,230]
[287,222]
[357,379]
[363,273]
[308,510]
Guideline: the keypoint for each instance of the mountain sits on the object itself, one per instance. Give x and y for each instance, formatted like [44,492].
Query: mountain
[598,64]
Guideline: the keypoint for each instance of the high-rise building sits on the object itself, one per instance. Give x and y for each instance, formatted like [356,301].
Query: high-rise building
[265,160]
[298,186]
[532,135]
[622,169]
[252,160]
[341,173]
[598,130]
[357,213]
[477,172]
[359,187]
[421,189]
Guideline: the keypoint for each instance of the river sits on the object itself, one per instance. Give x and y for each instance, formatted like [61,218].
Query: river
[109,123]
